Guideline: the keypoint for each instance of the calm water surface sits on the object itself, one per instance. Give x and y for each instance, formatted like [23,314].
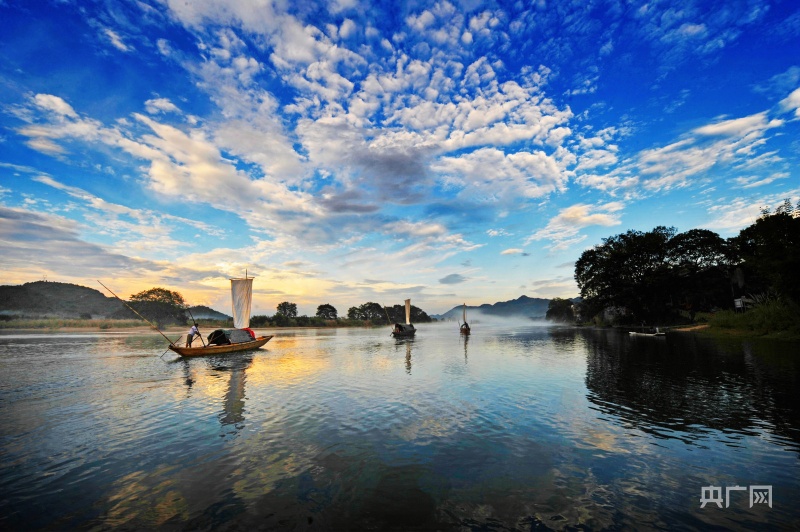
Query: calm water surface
[527,428]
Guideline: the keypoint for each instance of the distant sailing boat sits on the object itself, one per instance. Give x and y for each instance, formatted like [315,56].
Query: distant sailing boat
[405,330]
[465,326]
[241,337]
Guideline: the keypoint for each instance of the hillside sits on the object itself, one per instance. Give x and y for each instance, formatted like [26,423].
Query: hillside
[58,300]
[523,306]
[41,299]
[202,312]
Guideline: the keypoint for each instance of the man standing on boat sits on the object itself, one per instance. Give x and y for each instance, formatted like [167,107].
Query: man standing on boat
[191,334]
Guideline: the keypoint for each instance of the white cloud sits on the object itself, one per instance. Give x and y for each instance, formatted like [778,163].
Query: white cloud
[792,103]
[337,6]
[739,127]
[27,236]
[116,40]
[758,180]
[563,230]
[160,105]
[55,104]
[45,145]
[733,214]
[347,29]
[420,22]
[514,177]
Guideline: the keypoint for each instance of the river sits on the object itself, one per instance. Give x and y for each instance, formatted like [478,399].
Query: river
[513,428]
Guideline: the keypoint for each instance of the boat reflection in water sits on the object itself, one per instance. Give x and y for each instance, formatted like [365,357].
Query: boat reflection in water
[202,376]
[516,428]
[406,342]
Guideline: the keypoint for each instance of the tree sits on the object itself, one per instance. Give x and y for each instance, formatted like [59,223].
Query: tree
[397,313]
[327,312]
[629,271]
[259,320]
[287,309]
[698,249]
[159,295]
[560,310]
[770,252]
[376,313]
[163,306]
[700,275]
[368,311]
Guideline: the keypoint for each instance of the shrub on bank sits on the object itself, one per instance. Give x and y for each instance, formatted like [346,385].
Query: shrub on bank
[768,317]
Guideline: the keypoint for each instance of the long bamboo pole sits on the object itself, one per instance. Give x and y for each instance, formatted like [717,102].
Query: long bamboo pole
[387,316]
[135,312]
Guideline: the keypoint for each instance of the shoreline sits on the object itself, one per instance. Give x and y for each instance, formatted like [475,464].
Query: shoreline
[704,329]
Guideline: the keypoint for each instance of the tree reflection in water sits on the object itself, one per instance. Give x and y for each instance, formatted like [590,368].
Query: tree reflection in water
[689,385]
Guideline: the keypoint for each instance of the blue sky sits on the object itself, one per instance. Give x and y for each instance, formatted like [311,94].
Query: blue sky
[351,151]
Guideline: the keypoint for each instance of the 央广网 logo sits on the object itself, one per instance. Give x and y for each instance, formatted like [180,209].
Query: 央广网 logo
[713,494]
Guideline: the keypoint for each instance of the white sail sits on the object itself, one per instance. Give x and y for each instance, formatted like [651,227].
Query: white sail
[408,312]
[241,296]
[465,313]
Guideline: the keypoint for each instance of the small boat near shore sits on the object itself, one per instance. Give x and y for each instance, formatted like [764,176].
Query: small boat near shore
[405,330]
[219,349]
[240,338]
[657,332]
[464,327]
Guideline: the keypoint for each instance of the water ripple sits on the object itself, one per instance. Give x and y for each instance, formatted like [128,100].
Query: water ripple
[338,429]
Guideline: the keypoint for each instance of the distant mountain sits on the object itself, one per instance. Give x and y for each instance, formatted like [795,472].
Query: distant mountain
[523,306]
[57,300]
[41,299]
[202,312]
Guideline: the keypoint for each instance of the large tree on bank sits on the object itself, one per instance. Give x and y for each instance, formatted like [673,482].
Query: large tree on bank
[770,252]
[165,307]
[651,276]
[627,271]
[327,312]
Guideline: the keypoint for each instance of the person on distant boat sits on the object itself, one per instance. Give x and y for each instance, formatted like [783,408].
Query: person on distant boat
[191,334]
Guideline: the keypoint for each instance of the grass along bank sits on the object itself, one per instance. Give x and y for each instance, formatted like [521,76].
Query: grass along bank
[70,323]
[772,319]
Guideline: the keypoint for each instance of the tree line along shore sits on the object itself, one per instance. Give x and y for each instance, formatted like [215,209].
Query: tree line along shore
[168,309]
[746,283]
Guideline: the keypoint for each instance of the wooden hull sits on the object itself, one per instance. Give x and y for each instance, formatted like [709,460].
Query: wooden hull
[632,333]
[219,349]
[404,334]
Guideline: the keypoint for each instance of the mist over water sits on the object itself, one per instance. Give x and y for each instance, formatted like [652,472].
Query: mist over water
[495,321]
[515,427]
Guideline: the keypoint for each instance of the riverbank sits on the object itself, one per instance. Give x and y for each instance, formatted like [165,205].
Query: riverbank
[139,327]
[709,330]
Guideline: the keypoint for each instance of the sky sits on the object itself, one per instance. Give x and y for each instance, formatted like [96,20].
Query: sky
[349,151]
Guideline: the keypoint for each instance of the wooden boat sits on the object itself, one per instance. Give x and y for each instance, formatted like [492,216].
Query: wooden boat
[240,338]
[464,327]
[219,349]
[405,330]
[655,333]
